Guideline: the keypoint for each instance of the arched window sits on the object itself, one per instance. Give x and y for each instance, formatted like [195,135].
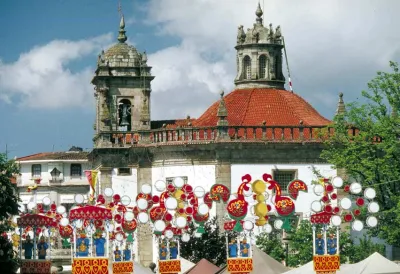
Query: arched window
[247,67]
[124,114]
[262,63]
[277,71]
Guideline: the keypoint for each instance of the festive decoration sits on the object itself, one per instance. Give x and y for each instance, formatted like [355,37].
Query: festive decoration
[122,267]
[240,265]
[170,266]
[90,266]
[326,263]
[89,212]
[35,267]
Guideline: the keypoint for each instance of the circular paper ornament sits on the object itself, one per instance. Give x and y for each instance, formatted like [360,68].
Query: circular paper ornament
[64,222]
[345,203]
[357,225]
[316,206]
[143,217]
[171,203]
[372,221]
[119,237]
[159,226]
[355,188]
[268,228]
[248,193]
[125,200]
[178,182]
[337,182]
[181,222]
[61,209]
[373,207]
[185,237]
[46,201]
[108,192]
[160,185]
[203,209]
[169,234]
[142,204]
[278,224]
[248,225]
[79,199]
[129,216]
[369,193]
[199,192]
[146,189]
[319,190]
[336,220]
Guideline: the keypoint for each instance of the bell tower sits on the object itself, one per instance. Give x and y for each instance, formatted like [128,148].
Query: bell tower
[259,56]
[122,84]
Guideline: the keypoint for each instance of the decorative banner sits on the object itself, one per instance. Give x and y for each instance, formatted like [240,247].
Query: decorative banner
[169,266]
[90,213]
[35,267]
[90,266]
[36,220]
[91,175]
[122,267]
[240,265]
[326,263]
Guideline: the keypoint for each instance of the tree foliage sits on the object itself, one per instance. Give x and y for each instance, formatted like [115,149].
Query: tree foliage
[8,207]
[372,155]
[271,244]
[365,248]
[211,245]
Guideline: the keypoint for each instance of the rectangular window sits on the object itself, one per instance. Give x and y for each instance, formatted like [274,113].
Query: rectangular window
[284,177]
[76,170]
[124,171]
[36,170]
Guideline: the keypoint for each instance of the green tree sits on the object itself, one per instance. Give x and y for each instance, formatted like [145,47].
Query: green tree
[370,150]
[271,244]
[211,245]
[364,249]
[8,207]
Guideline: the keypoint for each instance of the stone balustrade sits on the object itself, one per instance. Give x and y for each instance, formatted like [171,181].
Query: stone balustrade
[198,135]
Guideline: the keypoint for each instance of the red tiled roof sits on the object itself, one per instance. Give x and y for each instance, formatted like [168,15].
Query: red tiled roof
[55,156]
[250,107]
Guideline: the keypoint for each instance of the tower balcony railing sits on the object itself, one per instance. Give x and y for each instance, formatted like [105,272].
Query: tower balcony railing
[198,135]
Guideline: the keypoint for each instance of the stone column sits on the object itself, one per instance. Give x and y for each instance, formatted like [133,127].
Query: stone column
[222,176]
[144,233]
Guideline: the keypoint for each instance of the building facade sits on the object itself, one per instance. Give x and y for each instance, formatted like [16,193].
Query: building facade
[257,128]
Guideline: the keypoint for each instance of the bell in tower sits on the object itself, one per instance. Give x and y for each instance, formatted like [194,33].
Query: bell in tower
[123,85]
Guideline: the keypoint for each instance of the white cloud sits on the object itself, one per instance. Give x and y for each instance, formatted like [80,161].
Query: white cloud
[41,78]
[333,46]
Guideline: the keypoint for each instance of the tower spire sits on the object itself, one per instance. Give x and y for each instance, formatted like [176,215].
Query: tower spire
[259,14]
[121,36]
[341,109]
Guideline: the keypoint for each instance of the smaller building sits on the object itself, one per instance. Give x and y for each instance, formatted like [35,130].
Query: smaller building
[61,176]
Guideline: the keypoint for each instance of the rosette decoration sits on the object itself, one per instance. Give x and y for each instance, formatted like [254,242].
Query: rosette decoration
[237,208]
[220,192]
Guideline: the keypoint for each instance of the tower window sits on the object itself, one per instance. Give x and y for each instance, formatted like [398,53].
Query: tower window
[277,71]
[124,114]
[247,67]
[263,66]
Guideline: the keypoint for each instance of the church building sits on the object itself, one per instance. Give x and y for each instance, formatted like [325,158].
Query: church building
[257,128]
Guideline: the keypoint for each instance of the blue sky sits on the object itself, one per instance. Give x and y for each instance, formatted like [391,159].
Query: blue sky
[48,53]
